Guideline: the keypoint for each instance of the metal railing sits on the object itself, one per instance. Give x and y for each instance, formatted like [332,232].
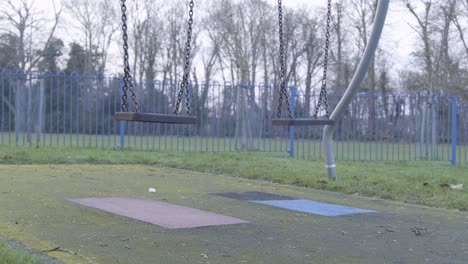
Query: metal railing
[72,110]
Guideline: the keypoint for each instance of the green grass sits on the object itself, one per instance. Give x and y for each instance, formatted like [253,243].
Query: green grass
[303,148]
[9,255]
[418,182]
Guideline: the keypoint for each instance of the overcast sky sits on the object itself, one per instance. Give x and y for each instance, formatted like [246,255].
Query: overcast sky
[397,35]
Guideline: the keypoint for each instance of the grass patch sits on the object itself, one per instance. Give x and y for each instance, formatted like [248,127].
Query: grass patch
[9,255]
[304,147]
[419,182]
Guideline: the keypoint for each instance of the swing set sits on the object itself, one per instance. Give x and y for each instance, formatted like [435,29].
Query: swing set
[328,121]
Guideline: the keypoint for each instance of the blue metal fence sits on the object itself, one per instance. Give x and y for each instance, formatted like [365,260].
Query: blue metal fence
[73,110]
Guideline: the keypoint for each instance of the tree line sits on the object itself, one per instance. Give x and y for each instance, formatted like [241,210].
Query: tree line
[236,41]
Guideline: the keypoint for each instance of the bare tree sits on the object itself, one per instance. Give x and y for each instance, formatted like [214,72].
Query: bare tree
[173,52]
[459,43]
[363,17]
[21,20]
[146,34]
[295,43]
[96,21]
[29,26]
[446,16]
[313,49]
[239,51]
[338,54]
[424,30]
[211,54]
[459,17]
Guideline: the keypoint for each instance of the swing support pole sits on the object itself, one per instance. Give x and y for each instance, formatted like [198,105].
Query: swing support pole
[354,86]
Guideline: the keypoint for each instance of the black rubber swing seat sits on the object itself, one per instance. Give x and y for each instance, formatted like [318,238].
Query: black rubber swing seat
[302,122]
[155,118]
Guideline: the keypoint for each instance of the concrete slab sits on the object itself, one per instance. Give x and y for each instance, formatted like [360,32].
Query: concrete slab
[163,214]
[312,207]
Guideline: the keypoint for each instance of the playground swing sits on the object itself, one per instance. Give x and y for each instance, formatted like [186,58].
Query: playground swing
[283,93]
[328,122]
[138,116]
[351,91]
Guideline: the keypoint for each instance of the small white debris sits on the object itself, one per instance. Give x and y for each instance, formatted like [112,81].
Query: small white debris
[204,255]
[152,190]
[456,186]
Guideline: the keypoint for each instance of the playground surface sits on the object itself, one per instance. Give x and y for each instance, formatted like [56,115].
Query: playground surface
[37,211]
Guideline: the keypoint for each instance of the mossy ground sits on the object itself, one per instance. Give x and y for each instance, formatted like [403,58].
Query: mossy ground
[36,213]
[418,182]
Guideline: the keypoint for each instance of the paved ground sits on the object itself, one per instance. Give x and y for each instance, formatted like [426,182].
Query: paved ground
[35,212]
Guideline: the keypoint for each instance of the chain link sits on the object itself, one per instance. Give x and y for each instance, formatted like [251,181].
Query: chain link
[184,85]
[127,79]
[283,94]
[323,91]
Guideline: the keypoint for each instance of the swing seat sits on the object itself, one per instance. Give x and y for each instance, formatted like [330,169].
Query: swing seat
[155,118]
[302,122]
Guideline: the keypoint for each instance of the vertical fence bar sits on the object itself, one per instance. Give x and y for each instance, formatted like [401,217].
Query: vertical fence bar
[9,112]
[122,123]
[57,109]
[77,113]
[454,131]
[109,94]
[83,88]
[404,127]
[51,110]
[464,128]
[95,99]
[103,110]
[24,116]
[3,106]
[291,128]
[64,116]
[154,101]
[149,102]
[115,84]
[89,104]
[270,89]
[213,118]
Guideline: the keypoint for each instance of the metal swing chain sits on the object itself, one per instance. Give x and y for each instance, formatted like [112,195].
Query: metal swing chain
[323,91]
[283,90]
[127,79]
[184,86]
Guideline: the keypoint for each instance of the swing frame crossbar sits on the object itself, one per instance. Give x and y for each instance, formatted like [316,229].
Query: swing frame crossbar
[302,122]
[155,118]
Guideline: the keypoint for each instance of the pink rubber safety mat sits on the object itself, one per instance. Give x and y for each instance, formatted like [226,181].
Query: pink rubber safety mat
[158,213]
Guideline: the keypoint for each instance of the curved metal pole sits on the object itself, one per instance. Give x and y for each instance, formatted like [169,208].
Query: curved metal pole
[354,86]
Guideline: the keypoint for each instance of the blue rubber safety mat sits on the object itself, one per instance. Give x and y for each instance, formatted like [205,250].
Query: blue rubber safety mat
[313,207]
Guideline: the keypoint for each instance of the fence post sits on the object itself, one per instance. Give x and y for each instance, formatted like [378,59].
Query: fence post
[454,130]
[122,123]
[291,128]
